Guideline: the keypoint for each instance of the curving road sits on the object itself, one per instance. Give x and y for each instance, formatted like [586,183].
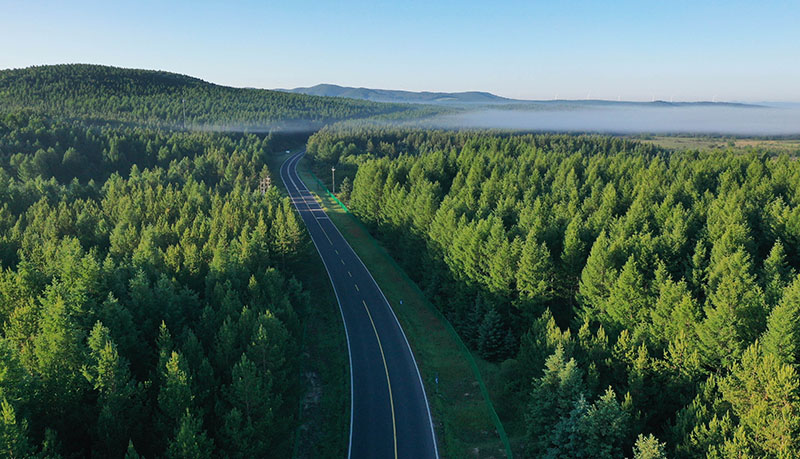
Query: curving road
[389,413]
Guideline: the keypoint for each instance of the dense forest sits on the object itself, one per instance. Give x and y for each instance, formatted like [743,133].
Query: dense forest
[640,302]
[104,94]
[147,299]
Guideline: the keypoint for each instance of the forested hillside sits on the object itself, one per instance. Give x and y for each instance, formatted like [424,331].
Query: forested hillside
[102,93]
[642,302]
[147,299]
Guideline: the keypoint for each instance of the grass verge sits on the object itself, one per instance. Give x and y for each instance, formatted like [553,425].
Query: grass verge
[324,421]
[463,419]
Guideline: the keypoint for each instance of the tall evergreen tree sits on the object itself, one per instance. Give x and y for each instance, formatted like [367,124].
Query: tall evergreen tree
[190,441]
[735,315]
[14,442]
[782,338]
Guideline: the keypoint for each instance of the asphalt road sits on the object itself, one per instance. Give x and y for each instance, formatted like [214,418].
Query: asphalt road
[389,413]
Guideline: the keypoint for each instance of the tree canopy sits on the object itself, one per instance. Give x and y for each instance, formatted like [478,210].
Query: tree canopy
[643,301]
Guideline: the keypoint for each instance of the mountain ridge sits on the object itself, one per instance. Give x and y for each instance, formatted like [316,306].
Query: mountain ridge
[155,97]
[399,95]
[474,97]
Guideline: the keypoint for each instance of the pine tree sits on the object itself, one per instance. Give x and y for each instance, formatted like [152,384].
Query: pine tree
[649,448]
[604,427]
[553,397]
[175,395]
[626,306]
[782,338]
[776,274]
[675,312]
[598,275]
[108,373]
[765,395]
[535,272]
[190,441]
[572,257]
[345,189]
[14,441]
[735,316]
[58,350]
[492,339]
[248,426]
[131,452]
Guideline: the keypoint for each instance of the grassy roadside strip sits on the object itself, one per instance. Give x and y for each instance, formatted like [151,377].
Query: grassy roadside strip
[323,413]
[465,420]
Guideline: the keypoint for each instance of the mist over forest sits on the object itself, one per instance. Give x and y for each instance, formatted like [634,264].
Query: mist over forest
[762,120]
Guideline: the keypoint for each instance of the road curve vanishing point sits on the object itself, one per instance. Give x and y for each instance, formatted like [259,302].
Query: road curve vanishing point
[389,412]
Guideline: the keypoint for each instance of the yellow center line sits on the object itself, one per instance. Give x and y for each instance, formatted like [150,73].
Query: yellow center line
[388,380]
[357,290]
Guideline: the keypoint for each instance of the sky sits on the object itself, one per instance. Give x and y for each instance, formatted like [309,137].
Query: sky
[632,50]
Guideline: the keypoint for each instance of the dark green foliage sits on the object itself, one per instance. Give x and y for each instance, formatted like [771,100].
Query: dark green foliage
[190,441]
[345,189]
[14,441]
[642,270]
[494,339]
[139,266]
[562,423]
[782,338]
[97,92]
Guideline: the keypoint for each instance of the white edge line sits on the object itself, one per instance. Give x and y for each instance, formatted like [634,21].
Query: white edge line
[341,311]
[421,384]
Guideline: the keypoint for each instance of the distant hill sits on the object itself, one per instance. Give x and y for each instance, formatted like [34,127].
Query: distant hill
[397,96]
[477,98]
[103,93]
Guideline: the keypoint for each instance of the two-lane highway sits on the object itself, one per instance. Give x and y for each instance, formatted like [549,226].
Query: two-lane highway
[389,412]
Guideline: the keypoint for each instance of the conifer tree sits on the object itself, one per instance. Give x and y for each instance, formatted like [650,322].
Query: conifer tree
[626,306]
[648,447]
[14,441]
[535,272]
[492,337]
[175,395]
[598,275]
[190,441]
[735,315]
[553,396]
[782,338]
[109,376]
[775,275]
[765,395]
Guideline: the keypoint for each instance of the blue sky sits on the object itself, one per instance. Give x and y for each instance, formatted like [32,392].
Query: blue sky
[635,50]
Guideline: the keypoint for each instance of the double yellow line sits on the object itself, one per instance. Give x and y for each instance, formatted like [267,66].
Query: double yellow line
[388,380]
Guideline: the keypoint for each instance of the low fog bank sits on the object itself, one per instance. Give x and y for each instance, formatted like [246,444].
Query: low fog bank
[281,127]
[774,120]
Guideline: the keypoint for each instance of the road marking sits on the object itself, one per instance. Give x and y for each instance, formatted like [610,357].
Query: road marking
[337,252]
[288,166]
[338,300]
[349,274]
[357,290]
[408,346]
[388,380]
[341,260]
